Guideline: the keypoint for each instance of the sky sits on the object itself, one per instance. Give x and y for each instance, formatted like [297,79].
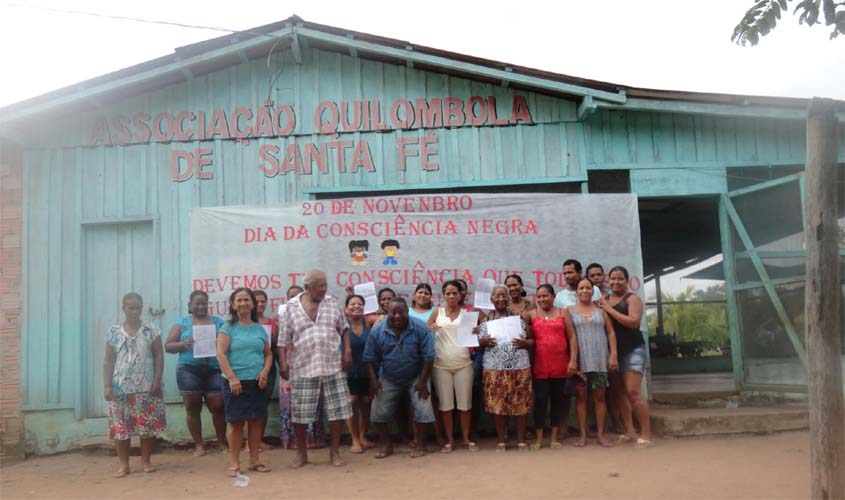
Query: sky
[676,44]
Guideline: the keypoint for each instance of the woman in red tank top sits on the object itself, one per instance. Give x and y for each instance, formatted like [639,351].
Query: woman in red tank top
[555,359]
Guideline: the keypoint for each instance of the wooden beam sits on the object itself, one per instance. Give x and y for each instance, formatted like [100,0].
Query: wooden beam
[465,67]
[729,270]
[822,298]
[296,48]
[586,108]
[440,185]
[689,107]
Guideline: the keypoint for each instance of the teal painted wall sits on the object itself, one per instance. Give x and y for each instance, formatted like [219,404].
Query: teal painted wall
[69,184]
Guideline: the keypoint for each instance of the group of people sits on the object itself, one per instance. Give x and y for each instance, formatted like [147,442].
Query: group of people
[403,363]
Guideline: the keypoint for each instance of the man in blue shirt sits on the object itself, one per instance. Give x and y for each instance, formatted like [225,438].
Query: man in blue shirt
[404,347]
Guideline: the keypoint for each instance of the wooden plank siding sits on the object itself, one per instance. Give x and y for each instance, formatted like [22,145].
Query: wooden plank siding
[67,183]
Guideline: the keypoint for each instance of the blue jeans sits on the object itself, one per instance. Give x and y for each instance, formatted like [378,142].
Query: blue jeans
[385,403]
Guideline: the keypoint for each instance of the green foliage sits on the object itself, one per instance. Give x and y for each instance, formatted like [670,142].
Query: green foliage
[764,15]
[706,323]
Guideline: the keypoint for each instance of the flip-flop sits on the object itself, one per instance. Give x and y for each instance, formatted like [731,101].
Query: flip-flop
[384,453]
[580,443]
[604,443]
[149,469]
[447,448]
[259,468]
[417,453]
[199,453]
[521,447]
[555,445]
[643,443]
[502,447]
[471,446]
[357,450]
[121,472]
[624,438]
[233,472]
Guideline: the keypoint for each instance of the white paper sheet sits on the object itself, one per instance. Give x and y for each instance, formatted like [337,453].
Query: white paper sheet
[368,291]
[205,341]
[466,338]
[482,294]
[505,329]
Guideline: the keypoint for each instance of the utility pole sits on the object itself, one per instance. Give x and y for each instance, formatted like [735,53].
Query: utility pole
[821,304]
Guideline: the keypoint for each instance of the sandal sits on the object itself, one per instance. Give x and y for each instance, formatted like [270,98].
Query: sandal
[604,443]
[447,448]
[502,447]
[521,447]
[417,453]
[624,438]
[643,443]
[555,445]
[580,443]
[233,472]
[534,447]
[471,446]
[259,468]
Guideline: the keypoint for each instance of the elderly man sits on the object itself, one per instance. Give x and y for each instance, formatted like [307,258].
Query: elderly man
[314,325]
[405,349]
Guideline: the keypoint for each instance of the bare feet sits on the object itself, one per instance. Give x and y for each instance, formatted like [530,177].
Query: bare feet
[356,448]
[121,472]
[385,452]
[199,451]
[336,460]
[604,442]
[298,461]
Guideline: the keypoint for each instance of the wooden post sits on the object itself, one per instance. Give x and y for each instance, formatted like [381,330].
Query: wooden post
[821,305]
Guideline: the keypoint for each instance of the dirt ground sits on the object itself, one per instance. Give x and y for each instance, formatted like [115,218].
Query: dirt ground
[771,466]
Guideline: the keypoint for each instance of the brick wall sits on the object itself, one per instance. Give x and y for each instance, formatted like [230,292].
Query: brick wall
[11,420]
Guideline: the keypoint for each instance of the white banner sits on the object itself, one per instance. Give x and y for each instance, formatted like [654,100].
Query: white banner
[400,241]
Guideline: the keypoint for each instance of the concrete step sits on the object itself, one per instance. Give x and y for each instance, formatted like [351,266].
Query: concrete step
[720,421]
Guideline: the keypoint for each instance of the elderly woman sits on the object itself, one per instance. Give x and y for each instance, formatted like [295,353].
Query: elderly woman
[507,373]
[198,378]
[243,351]
[625,310]
[596,356]
[132,368]
[452,366]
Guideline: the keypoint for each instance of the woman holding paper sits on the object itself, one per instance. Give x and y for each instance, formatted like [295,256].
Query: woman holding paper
[555,359]
[132,368]
[198,377]
[594,331]
[243,352]
[452,365]
[507,368]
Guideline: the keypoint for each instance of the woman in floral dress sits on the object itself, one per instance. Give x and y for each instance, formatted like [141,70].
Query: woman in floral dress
[132,368]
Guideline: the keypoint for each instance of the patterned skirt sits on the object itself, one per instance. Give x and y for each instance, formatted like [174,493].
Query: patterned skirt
[136,415]
[508,392]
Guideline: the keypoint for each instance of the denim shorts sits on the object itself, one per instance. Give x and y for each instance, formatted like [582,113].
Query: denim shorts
[388,399]
[198,379]
[635,361]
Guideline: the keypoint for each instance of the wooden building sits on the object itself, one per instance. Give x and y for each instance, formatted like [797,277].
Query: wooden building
[97,181]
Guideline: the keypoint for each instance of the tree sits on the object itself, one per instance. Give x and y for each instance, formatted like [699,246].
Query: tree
[764,15]
[703,323]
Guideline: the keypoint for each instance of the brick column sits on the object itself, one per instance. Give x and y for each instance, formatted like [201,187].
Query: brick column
[11,419]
